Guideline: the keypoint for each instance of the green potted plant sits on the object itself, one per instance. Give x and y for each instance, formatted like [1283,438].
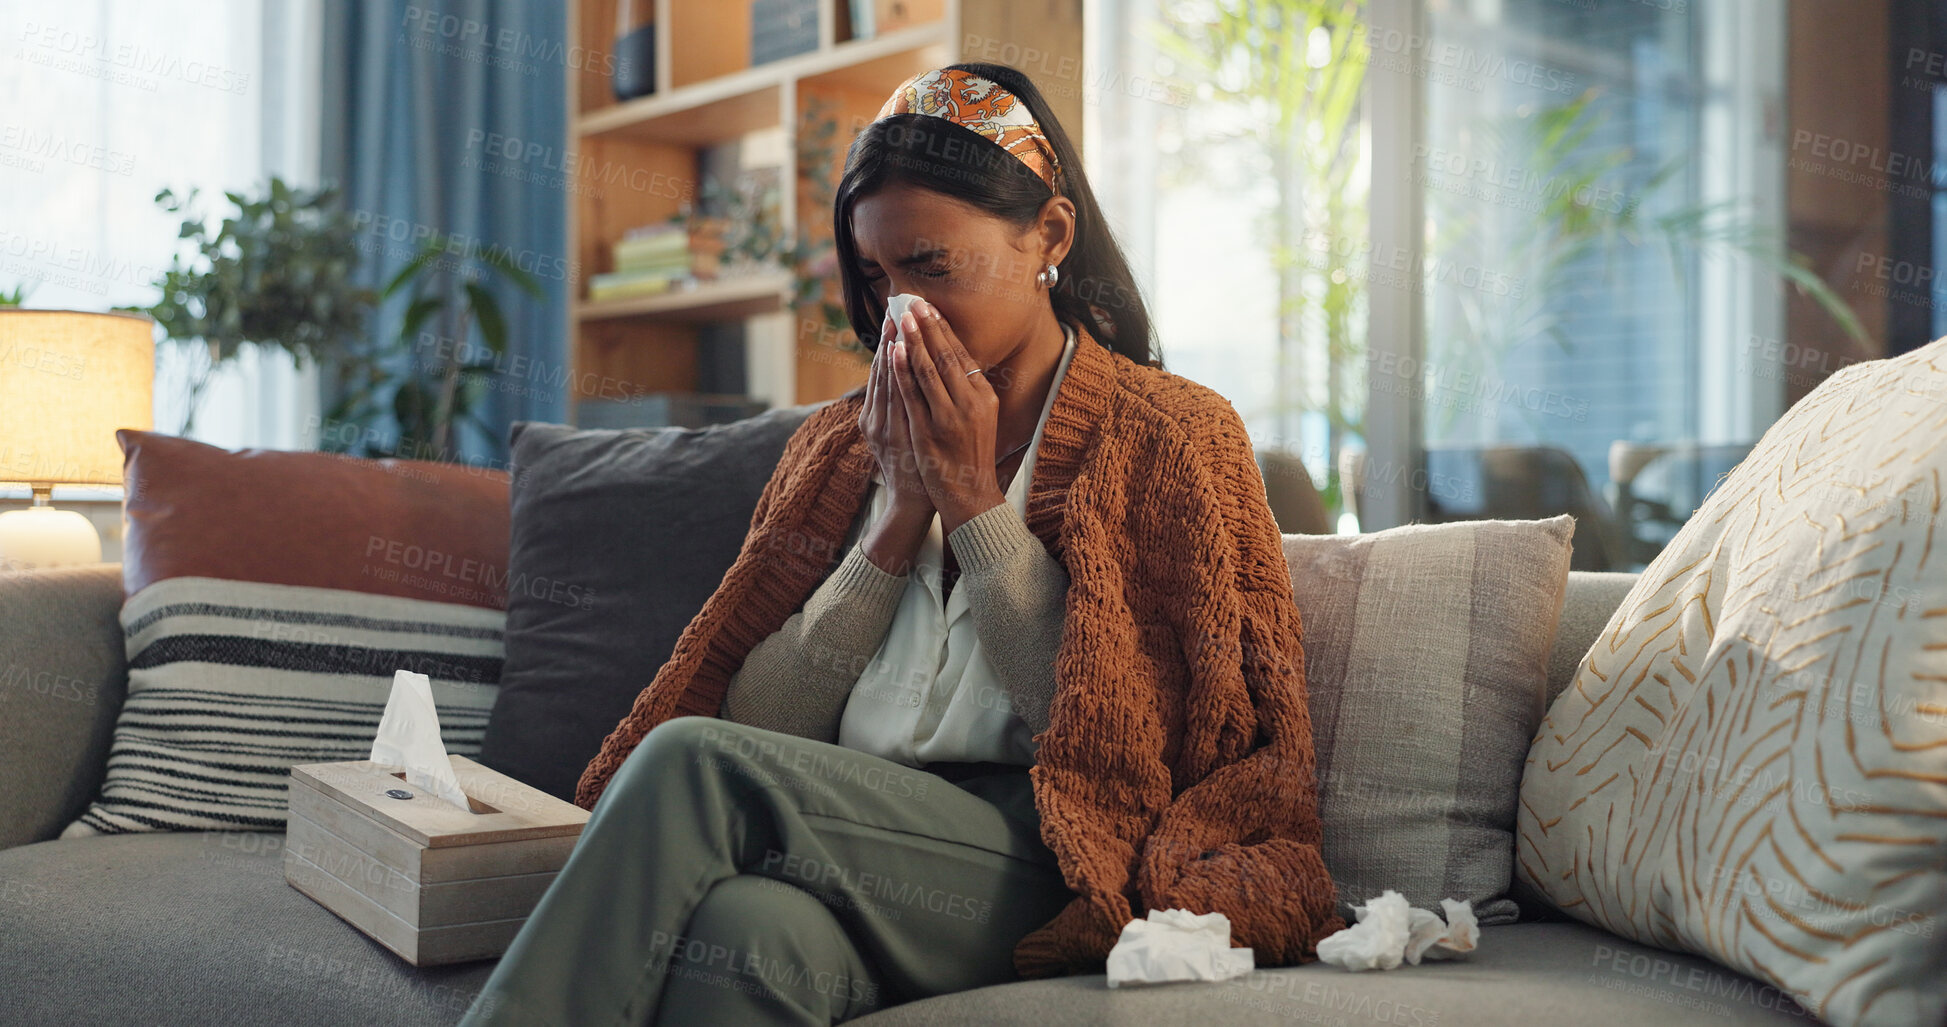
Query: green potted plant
[428,395]
[277,272]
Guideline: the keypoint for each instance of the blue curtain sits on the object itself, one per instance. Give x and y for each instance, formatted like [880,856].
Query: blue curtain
[449,116]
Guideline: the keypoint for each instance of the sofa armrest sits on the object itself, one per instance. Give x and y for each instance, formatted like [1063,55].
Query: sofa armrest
[63,675]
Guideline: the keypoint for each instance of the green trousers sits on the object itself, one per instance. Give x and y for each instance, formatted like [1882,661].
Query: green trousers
[731,874]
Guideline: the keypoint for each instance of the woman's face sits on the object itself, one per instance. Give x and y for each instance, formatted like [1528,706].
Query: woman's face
[976,268]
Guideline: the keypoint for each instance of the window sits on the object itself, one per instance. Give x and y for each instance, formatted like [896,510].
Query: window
[1198,199]
[1559,256]
[110,102]
[1564,180]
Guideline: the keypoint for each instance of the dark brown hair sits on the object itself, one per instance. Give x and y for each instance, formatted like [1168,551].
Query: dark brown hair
[1096,289]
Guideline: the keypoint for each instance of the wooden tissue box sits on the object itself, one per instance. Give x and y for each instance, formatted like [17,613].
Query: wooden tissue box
[422,878]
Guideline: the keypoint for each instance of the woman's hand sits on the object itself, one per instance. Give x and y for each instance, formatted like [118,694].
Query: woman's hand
[892,541]
[889,436]
[953,417]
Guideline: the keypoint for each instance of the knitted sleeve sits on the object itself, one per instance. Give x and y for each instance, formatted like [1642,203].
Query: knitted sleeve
[797,680]
[1244,839]
[1018,596]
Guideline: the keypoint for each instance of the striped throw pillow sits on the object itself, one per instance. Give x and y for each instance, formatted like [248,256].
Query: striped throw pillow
[231,683]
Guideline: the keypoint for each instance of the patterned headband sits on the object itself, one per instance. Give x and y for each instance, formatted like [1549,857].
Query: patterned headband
[979,103]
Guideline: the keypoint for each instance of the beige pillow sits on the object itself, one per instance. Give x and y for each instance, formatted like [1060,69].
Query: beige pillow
[1751,764]
[1426,662]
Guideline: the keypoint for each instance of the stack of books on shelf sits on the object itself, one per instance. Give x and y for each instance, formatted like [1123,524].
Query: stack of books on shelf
[657,258]
[648,260]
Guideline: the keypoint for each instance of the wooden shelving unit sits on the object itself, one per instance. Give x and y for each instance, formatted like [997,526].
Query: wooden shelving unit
[637,160]
[707,301]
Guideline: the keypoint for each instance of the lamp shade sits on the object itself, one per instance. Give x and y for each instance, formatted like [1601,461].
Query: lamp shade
[68,379]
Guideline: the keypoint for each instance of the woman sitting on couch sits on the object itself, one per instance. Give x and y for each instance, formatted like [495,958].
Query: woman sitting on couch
[1053,680]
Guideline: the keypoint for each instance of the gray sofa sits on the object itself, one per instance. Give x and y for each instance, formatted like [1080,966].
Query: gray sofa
[200,928]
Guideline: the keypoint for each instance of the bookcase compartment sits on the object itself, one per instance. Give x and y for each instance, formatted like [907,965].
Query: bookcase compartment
[638,161]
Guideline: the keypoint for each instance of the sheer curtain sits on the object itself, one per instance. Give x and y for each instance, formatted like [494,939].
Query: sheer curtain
[110,102]
[1189,187]
[419,93]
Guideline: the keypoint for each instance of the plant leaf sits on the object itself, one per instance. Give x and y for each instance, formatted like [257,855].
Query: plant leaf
[418,264]
[497,258]
[416,315]
[486,310]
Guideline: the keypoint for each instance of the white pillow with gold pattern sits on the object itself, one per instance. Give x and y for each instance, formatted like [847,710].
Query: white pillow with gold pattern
[1751,763]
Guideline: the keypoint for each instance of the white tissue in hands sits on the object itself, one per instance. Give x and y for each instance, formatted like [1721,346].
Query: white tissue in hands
[896,308]
[1176,945]
[408,739]
[1389,932]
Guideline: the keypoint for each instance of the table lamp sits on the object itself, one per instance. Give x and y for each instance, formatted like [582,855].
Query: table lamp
[68,379]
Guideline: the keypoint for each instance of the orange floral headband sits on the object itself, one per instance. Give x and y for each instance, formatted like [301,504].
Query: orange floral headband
[979,103]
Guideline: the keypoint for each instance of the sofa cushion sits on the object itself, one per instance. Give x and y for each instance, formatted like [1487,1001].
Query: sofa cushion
[1559,973]
[619,536]
[410,528]
[232,683]
[196,928]
[271,596]
[1426,660]
[199,928]
[1750,762]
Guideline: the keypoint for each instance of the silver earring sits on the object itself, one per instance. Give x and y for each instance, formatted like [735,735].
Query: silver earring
[1048,276]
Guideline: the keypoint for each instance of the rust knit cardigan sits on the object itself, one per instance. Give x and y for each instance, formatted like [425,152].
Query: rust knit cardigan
[1176,770]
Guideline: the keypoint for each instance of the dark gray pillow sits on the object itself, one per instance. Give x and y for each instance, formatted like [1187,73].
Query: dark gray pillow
[618,538]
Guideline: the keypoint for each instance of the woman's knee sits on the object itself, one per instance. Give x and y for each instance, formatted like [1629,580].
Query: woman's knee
[667,749]
[673,742]
[685,738]
[684,746]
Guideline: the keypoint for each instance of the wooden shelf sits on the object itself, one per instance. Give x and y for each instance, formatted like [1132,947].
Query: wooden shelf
[707,301]
[698,115]
[644,155]
[748,101]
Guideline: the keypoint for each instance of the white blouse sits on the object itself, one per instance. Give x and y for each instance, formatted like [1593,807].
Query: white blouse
[929,694]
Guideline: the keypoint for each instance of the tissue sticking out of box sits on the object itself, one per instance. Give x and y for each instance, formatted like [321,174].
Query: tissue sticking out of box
[1390,932]
[1176,945]
[409,739]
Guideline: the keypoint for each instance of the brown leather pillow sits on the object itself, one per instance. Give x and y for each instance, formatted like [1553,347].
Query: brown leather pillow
[411,528]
